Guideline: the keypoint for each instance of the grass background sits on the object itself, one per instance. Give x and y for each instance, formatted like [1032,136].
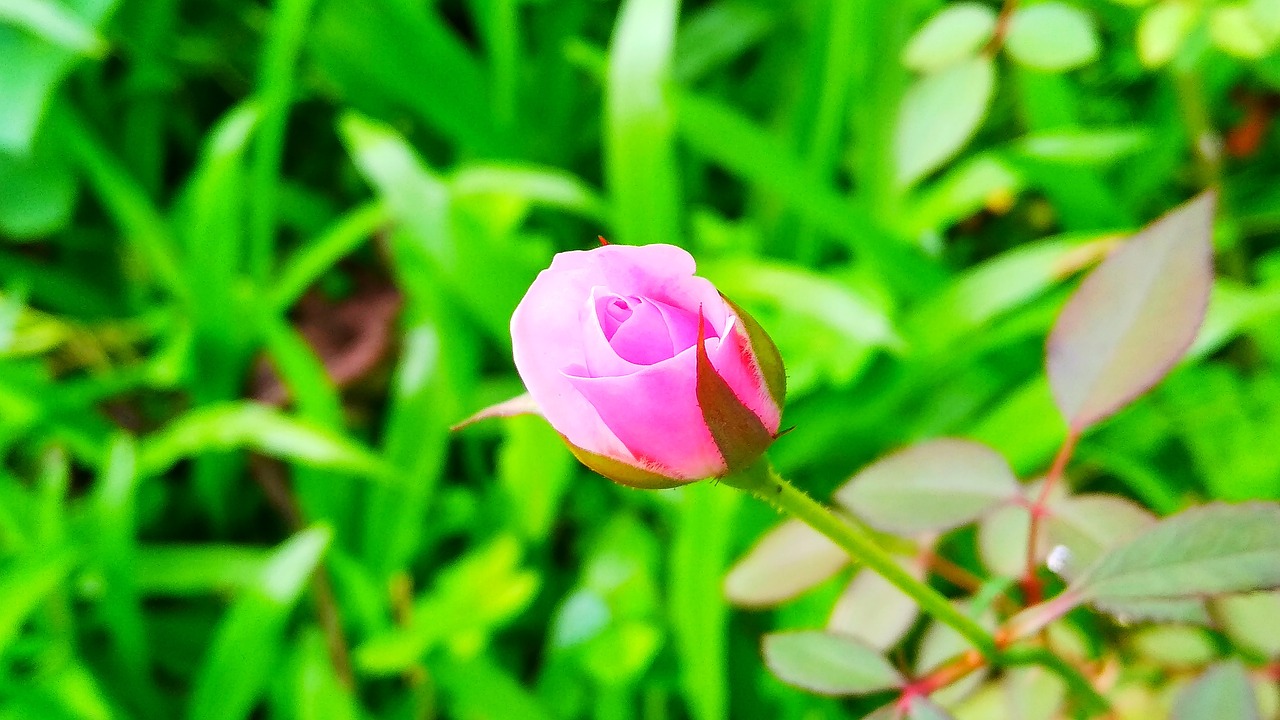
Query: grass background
[255,259]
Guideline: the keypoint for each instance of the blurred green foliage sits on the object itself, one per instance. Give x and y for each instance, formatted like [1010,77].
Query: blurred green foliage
[257,258]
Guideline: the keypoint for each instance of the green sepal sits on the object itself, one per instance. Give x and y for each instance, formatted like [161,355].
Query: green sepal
[623,473]
[768,359]
[736,430]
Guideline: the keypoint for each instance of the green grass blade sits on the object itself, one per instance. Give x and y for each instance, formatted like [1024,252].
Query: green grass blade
[322,495]
[478,687]
[53,24]
[178,571]
[24,585]
[366,50]
[699,612]
[115,501]
[639,127]
[274,94]
[249,640]
[142,225]
[246,425]
[425,400]
[210,217]
[716,34]
[313,259]
[442,240]
[537,185]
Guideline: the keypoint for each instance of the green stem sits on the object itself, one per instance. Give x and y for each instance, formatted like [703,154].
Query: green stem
[1023,625]
[764,482]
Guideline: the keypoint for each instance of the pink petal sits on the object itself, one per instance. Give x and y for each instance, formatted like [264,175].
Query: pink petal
[659,272]
[643,338]
[546,337]
[682,325]
[623,334]
[655,413]
[600,359]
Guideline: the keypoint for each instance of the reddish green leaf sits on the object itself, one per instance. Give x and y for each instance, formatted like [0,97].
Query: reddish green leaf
[939,113]
[1222,691]
[1175,646]
[768,359]
[1250,621]
[934,486]
[1002,540]
[1134,316]
[1033,693]
[1210,550]
[956,32]
[787,561]
[922,708]
[874,611]
[621,472]
[1184,611]
[1087,525]
[828,664]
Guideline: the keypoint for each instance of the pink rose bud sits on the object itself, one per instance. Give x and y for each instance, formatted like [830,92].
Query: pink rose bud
[652,377]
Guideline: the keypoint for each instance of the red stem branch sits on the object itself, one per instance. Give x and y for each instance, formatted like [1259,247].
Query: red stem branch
[941,677]
[1031,586]
[1001,28]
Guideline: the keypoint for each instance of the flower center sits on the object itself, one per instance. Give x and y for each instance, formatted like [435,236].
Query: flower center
[617,311]
[644,331]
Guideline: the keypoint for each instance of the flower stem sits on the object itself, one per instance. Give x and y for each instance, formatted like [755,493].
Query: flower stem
[764,482]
